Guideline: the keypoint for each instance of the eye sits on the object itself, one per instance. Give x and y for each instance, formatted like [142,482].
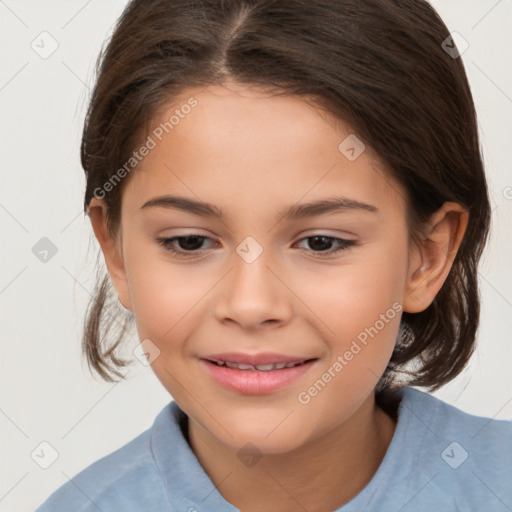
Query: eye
[190,245]
[321,241]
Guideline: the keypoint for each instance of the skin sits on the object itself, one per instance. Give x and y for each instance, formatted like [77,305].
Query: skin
[251,155]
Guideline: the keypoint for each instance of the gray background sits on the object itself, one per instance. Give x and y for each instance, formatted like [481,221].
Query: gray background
[46,392]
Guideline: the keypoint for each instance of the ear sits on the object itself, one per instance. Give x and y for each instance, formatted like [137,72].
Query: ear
[431,260]
[111,248]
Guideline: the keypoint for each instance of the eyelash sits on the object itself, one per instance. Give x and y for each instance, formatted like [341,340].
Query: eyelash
[166,243]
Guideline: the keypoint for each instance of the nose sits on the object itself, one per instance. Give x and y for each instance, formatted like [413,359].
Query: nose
[253,294]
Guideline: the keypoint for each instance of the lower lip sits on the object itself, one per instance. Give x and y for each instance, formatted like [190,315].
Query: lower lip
[255,382]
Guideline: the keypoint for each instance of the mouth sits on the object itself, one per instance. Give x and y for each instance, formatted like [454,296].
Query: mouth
[256,375]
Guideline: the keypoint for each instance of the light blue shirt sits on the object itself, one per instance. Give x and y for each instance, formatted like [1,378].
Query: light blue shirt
[440,459]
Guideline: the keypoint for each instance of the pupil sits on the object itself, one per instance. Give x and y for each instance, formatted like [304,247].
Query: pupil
[314,245]
[183,242]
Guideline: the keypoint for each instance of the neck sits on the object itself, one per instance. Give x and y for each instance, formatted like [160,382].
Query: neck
[323,474]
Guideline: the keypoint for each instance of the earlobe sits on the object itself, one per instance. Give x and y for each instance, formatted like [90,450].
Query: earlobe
[111,249]
[431,259]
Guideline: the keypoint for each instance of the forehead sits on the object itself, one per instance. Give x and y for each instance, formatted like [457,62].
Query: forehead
[241,146]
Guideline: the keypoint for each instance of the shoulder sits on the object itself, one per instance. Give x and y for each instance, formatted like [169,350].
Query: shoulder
[448,420]
[126,479]
[468,457]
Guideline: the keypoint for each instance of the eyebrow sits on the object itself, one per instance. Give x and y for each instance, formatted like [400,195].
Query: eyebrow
[296,211]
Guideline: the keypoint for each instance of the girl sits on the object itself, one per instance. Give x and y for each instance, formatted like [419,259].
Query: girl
[291,203]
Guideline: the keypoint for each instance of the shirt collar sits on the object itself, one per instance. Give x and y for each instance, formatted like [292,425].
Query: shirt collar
[185,480]
[188,485]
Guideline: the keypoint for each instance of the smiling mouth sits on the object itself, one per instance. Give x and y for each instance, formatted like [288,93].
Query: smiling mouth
[259,367]
[256,374]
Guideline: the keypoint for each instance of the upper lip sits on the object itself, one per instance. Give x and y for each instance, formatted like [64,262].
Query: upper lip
[256,359]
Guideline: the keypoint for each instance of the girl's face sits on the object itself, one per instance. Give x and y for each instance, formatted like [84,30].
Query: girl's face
[255,280]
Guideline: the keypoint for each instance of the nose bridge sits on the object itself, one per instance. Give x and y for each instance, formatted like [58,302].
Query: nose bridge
[252,294]
[251,275]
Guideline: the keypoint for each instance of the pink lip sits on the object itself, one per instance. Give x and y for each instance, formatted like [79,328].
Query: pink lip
[255,382]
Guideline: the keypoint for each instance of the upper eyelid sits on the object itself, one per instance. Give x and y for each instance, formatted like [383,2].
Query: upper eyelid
[346,235]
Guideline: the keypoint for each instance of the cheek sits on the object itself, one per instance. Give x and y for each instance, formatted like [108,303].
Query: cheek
[354,295]
[360,309]
[165,297]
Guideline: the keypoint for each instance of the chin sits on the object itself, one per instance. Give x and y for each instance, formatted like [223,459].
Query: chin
[266,441]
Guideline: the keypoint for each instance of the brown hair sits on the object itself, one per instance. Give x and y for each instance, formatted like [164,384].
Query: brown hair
[379,65]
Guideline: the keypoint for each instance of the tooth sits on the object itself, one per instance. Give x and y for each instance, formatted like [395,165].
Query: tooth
[246,367]
[260,367]
[264,367]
